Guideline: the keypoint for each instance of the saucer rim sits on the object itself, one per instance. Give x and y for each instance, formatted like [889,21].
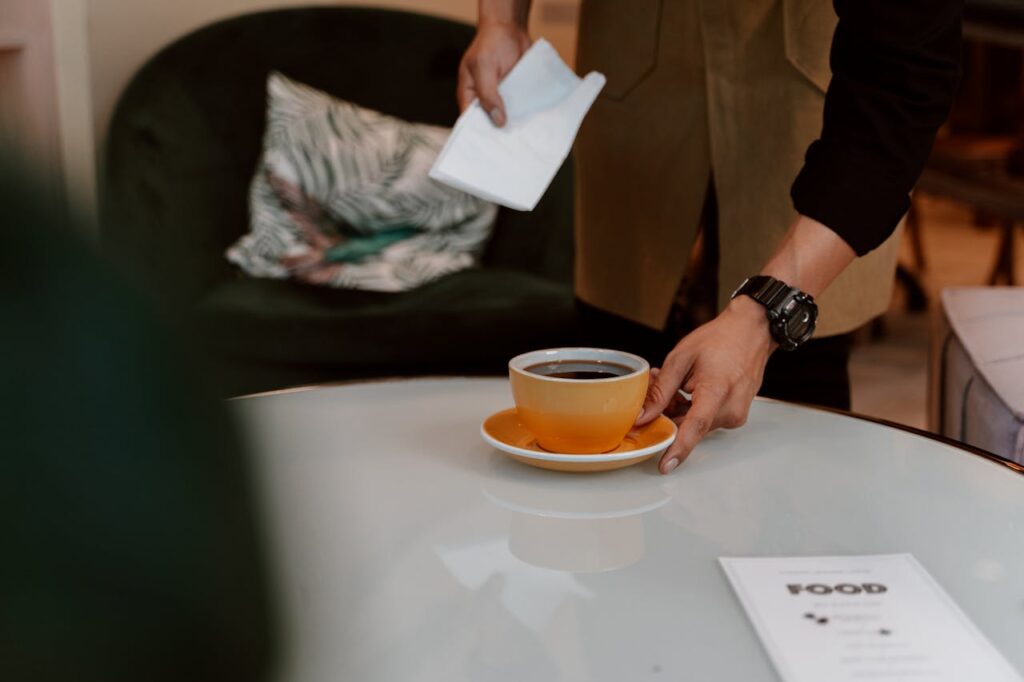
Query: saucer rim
[567,457]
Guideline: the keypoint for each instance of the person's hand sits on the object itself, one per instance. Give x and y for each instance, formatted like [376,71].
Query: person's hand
[720,365]
[492,54]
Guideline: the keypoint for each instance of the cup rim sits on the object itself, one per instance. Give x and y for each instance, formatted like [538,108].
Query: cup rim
[519,363]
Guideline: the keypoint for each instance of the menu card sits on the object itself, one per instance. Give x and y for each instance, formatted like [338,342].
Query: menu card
[861,618]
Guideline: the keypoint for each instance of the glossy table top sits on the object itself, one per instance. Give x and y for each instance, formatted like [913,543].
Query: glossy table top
[405,548]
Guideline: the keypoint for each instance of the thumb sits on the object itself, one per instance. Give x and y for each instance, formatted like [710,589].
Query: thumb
[485,82]
[464,91]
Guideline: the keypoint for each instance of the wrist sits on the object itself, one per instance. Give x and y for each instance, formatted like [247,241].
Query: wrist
[502,14]
[500,24]
[809,257]
[752,315]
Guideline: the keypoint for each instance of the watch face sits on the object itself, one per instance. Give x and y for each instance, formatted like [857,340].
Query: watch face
[801,324]
[796,322]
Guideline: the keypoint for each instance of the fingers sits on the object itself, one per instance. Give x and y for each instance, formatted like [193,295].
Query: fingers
[678,407]
[700,418]
[733,413]
[464,91]
[485,75]
[664,385]
[679,403]
[479,82]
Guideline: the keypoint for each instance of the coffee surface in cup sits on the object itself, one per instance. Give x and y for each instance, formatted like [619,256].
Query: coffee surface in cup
[579,369]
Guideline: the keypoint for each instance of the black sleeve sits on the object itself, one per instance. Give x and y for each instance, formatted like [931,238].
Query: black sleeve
[895,67]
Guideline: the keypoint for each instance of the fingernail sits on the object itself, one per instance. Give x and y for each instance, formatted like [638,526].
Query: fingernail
[497,117]
[640,414]
[672,464]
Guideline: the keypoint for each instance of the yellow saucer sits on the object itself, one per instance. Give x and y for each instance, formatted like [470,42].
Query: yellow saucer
[506,431]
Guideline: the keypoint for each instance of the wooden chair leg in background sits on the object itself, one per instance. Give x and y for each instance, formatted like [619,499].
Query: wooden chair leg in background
[909,277]
[917,297]
[915,235]
[1006,253]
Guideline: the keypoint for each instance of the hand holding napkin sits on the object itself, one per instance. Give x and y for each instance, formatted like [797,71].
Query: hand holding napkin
[513,165]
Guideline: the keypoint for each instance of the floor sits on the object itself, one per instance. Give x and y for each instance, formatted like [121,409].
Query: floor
[890,374]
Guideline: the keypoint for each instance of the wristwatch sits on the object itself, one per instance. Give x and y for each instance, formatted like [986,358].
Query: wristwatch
[792,314]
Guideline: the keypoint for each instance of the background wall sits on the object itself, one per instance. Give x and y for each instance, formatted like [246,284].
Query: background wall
[28,90]
[45,97]
[123,34]
[74,100]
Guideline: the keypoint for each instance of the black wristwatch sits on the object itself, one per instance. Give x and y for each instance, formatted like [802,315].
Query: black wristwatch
[792,314]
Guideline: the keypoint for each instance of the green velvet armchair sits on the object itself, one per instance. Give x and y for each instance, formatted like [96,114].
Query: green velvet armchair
[181,150]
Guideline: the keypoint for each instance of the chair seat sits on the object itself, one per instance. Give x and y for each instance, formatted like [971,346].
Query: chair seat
[475,319]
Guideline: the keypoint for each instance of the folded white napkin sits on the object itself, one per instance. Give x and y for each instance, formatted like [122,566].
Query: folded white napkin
[513,165]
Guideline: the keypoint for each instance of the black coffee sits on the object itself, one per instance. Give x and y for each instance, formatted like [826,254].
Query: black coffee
[579,369]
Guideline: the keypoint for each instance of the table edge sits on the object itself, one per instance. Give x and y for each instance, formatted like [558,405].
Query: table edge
[945,440]
[937,437]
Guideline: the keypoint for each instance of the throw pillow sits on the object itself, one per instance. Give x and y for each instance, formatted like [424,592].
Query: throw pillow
[341,198]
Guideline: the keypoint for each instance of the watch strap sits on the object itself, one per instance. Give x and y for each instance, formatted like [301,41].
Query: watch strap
[766,290]
[781,302]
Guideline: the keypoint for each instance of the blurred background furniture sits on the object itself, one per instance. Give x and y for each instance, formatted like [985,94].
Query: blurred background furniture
[977,171]
[980,159]
[977,382]
[181,151]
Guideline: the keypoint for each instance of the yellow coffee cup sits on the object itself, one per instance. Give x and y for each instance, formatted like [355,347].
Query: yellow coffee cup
[578,400]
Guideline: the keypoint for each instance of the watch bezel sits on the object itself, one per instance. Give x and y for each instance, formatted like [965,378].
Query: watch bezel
[781,315]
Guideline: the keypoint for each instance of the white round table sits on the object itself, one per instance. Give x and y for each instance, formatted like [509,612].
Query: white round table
[406,549]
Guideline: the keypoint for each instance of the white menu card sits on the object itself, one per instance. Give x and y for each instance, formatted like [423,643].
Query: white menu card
[861,618]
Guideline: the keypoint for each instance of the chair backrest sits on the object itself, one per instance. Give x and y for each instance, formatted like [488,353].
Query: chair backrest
[187,132]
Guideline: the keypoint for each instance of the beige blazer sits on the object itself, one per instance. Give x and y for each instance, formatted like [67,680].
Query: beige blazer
[733,88]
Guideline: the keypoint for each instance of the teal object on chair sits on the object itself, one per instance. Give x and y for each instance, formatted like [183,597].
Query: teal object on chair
[354,250]
[182,148]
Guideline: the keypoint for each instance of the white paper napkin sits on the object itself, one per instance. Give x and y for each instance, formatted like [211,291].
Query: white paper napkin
[513,165]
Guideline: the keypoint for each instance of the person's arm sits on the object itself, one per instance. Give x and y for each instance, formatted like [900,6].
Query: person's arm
[721,363]
[501,39]
[895,68]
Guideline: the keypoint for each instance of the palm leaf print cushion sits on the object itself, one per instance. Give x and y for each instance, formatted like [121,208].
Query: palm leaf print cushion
[341,198]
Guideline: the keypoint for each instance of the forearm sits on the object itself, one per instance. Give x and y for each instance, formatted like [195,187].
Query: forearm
[721,363]
[809,257]
[515,12]
[895,67]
